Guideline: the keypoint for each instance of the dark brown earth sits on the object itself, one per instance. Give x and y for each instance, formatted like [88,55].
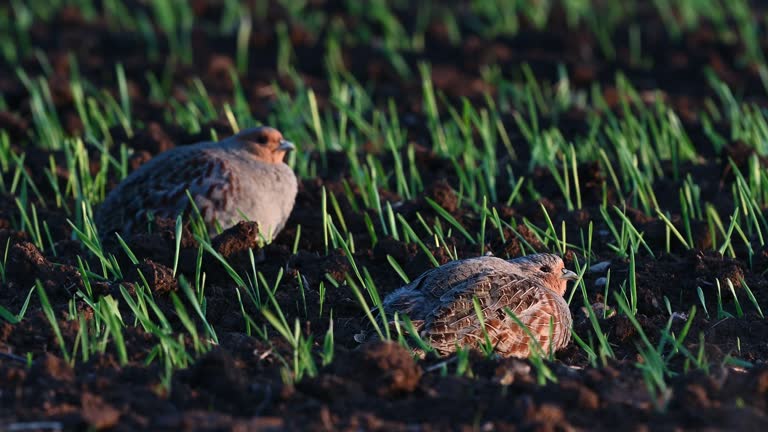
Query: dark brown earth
[379,386]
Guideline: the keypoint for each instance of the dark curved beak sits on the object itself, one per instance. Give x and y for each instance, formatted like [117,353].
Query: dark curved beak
[286,145]
[569,275]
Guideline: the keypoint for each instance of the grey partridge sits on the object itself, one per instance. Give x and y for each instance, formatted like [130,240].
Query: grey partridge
[237,178]
[440,304]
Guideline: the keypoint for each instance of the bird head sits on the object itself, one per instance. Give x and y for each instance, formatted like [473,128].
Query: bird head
[548,267]
[266,144]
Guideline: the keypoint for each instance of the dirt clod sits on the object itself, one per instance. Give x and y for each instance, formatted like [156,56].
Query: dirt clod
[97,413]
[443,194]
[237,240]
[159,277]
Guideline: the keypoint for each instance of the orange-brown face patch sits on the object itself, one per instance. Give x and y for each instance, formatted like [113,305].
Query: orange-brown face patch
[264,143]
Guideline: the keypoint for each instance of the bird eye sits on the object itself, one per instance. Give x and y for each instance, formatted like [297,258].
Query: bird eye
[546,268]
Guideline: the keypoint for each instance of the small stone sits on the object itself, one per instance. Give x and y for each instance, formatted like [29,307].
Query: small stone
[600,267]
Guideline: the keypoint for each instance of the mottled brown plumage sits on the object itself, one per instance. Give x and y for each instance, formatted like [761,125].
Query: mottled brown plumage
[440,304]
[241,177]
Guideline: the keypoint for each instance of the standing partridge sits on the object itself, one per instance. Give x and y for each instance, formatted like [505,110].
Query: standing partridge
[240,177]
[440,304]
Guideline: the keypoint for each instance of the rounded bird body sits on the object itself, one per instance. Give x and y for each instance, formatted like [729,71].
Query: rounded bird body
[527,290]
[241,177]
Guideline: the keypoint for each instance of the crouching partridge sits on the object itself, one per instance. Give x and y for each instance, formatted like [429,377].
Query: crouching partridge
[440,304]
[242,177]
